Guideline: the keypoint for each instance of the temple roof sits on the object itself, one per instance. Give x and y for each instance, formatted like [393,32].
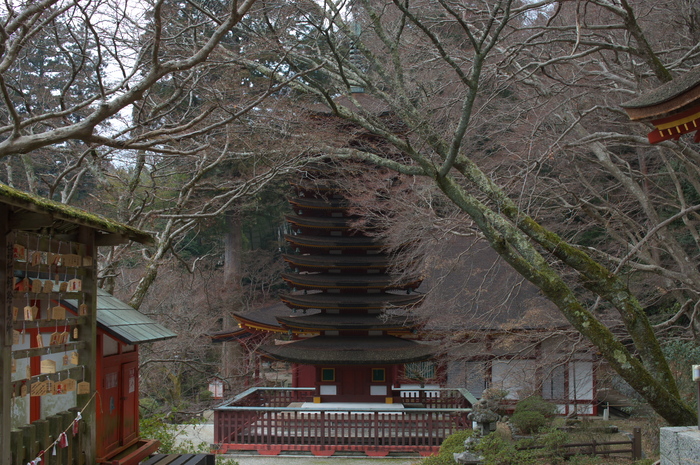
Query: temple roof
[325,242]
[318,204]
[326,321]
[320,222]
[347,281]
[350,301]
[264,317]
[353,262]
[673,96]
[369,350]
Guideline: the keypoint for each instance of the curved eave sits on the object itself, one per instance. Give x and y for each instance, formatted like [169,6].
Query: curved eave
[332,242]
[347,282]
[327,350]
[257,325]
[354,262]
[305,203]
[350,301]
[315,187]
[327,322]
[230,335]
[670,97]
[320,222]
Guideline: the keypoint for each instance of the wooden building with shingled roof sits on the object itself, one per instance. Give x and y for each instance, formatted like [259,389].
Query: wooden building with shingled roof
[673,108]
[59,335]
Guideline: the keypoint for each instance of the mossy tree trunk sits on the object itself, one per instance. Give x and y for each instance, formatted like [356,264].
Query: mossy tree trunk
[391,68]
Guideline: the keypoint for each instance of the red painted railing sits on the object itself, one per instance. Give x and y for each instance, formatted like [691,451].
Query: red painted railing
[268,420]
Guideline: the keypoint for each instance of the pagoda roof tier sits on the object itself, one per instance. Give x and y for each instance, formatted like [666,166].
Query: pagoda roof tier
[673,96]
[339,350]
[346,322]
[314,186]
[345,263]
[263,318]
[330,205]
[326,301]
[324,223]
[347,281]
[355,243]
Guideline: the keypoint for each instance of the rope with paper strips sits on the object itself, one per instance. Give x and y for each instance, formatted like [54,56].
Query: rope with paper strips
[62,439]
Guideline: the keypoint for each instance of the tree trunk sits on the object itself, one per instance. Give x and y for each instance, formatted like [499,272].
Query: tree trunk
[231,352]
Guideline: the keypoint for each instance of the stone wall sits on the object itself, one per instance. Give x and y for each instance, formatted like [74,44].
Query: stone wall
[680,445]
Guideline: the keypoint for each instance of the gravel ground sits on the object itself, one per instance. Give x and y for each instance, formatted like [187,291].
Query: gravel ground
[310,460]
[197,434]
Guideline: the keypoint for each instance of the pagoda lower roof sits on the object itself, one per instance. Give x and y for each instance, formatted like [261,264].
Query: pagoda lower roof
[351,282]
[307,203]
[320,222]
[333,242]
[354,262]
[341,322]
[331,301]
[673,96]
[338,350]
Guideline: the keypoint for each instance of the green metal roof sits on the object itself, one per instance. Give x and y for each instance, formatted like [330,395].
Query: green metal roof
[126,323]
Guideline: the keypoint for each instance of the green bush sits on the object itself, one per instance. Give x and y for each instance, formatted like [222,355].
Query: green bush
[156,427]
[451,445]
[532,414]
[497,450]
[529,422]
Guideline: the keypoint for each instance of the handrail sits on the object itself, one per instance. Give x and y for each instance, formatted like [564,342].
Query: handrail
[464,393]
[249,391]
[346,409]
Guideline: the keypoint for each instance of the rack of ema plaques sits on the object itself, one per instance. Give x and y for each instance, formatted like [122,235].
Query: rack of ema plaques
[49,312]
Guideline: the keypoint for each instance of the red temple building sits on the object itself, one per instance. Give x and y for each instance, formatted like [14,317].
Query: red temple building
[673,108]
[346,332]
[342,344]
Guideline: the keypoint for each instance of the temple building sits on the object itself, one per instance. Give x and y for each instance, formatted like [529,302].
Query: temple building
[346,328]
[673,108]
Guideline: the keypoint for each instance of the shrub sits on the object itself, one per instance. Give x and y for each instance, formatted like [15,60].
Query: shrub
[532,414]
[499,451]
[451,445]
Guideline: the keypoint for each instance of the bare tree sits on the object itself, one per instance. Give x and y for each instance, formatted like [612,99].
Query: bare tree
[491,102]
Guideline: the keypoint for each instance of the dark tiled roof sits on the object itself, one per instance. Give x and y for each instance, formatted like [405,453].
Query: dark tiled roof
[354,262]
[666,91]
[266,315]
[350,301]
[676,96]
[370,350]
[342,242]
[321,321]
[347,281]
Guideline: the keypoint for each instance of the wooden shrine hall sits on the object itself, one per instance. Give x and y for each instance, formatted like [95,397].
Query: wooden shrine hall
[673,108]
[69,351]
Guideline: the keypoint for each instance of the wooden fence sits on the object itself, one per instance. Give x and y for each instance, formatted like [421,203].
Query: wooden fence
[36,439]
[633,447]
[271,420]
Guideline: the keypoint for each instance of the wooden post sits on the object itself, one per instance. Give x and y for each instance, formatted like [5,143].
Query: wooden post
[18,457]
[29,440]
[637,444]
[88,333]
[42,435]
[5,339]
[55,423]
